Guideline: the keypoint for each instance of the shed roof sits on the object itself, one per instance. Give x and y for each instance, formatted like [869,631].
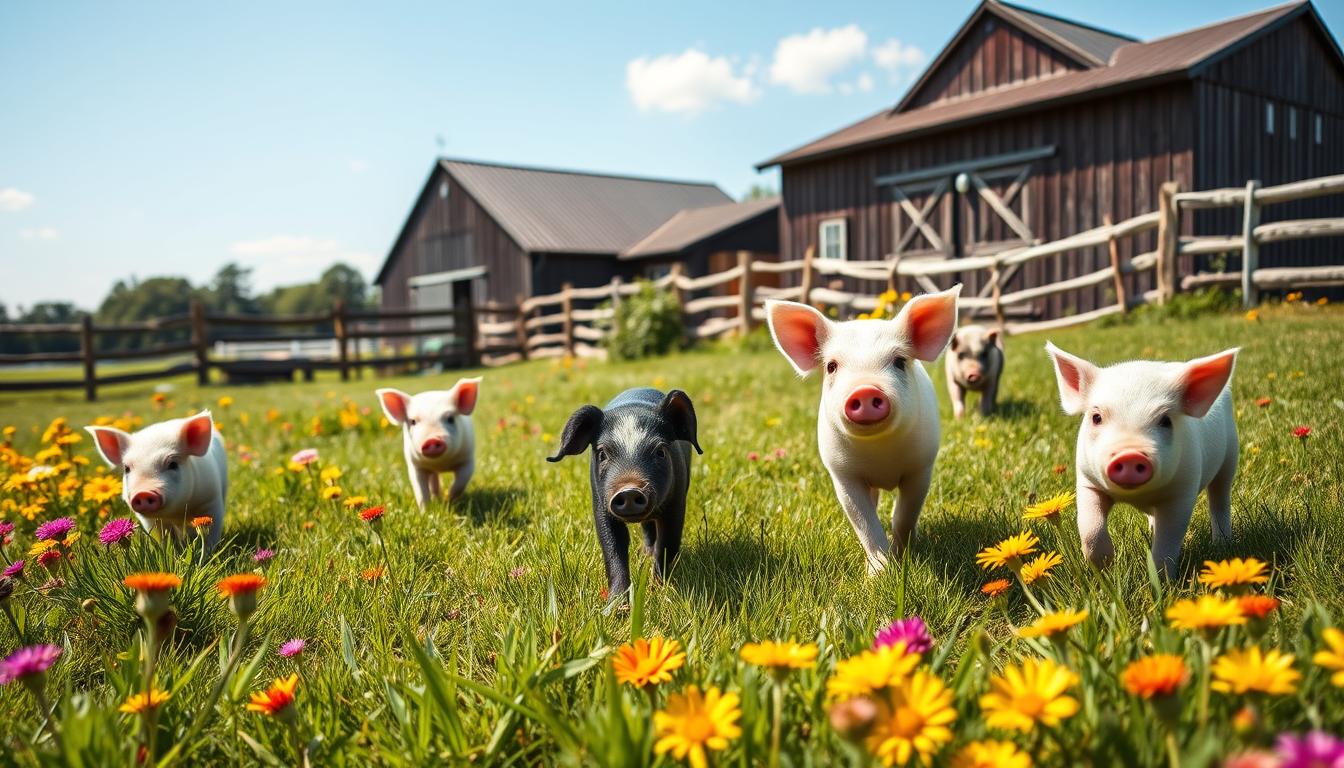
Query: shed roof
[695,225]
[1130,66]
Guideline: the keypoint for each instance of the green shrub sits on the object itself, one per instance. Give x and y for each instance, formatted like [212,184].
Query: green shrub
[646,324]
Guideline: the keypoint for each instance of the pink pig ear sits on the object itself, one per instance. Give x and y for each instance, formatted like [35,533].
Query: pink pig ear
[112,443]
[799,331]
[995,337]
[465,392]
[1203,380]
[395,402]
[929,322]
[196,434]
[1074,376]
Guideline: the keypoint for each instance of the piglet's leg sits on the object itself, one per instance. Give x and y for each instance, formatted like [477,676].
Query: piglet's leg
[435,485]
[461,476]
[905,512]
[958,397]
[1093,509]
[989,396]
[419,484]
[614,538]
[1170,523]
[667,542]
[860,505]
[1220,500]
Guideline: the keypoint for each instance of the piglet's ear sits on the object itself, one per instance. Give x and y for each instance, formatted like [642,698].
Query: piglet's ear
[1075,377]
[798,331]
[464,394]
[1203,380]
[580,432]
[196,433]
[112,443]
[394,403]
[677,409]
[929,321]
[995,337]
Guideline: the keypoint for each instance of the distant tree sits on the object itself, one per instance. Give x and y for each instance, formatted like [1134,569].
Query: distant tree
[135,302]
[340,281]
[758,191]
[230,291]
[43,313]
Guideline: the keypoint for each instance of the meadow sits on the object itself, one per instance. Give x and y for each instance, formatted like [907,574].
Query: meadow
[480,632]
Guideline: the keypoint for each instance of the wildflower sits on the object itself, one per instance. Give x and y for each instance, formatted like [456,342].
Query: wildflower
[1008,552]
[263,555]
[6,528]
[911,630]
[854,718]
[693,723]
[1034,692]
[152,590]
[118,531]
[276,700]
[1253,670]
[990,754]
[29,665]
[291,648]
[913,719]
[1263,402]
[1293,296]
[1207,613]
[102,489]
[139,702]
[996,587]
[1257,606]
[1234,573]
[330,474]
[202,522]
[372,514]
[647,662]
[241,592]
[1252,315]
[780,657]
[871,671]
[14,571]
[225,401]
[1316,749]
[1253,758]
[49,559]
[1332,659]
[372,574]
[1039,567]
[304,457]
[1052,624]
[753,456]
[1301,432]
[1050,508]
[54,530]
[331,493]
[1158,675]
[517,572]
[354,502]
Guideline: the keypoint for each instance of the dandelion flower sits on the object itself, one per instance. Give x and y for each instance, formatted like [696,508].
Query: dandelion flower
[911,630]
[996,587]
[1050,508]
[240,584]
[330,474]
[1033,693]
[871,671]
[102,489]
[139,702]
[1008,552]
[117,531]
[1263,402]
[29,664]
[990,754]
[780,656]
[1039,567]
[1158,675]
[372,574]
[291,648]
[693,723]
[1206,613]
[331,493]
[1052,624]
[1253,670]
[152,590]
[275,701]
[913,719]
[647,662]
[204,521]
[1234,573]
[372,514]
[1332,659]
[54,530]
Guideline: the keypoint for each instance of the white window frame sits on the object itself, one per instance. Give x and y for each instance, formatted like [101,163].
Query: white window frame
[839,224]
[1292,123]
[1269,118]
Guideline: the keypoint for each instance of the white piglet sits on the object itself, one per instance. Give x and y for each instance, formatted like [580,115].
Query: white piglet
[1153,436]
[172,472]
[437,436]
[877,425]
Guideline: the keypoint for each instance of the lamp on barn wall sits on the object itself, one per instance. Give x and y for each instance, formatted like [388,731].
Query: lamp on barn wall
[963,183]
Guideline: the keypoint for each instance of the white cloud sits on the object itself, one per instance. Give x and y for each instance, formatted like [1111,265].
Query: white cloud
[12,199]
[864,83]
[808,63]
[290,259]
[901,61]
[689,82]
[358,166]
[40,233]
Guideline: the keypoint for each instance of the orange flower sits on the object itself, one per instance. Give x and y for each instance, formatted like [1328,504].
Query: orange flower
[276,700]
[996,587]
[372,574]
[204,521]
[238,584]
[372,514]
[152,582]
[1157,675]
[647,662]
[1258,606]
[1264,402]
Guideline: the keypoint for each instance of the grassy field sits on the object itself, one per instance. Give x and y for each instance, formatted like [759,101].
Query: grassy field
[487,639]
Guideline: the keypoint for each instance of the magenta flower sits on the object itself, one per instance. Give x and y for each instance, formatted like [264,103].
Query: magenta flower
[263,555]
[6,529]
[28,663]
[117,531]
[1316,749]
[292,648]
[304,457]
[53,530]
[910,631]
[14,571]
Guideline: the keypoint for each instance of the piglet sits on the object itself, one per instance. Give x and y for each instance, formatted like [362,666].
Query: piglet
[172,471]
[437,436]
[974,362]
[640,473]
[1153,436]
[877,426]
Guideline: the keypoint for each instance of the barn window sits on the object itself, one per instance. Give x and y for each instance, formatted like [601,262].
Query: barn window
[443,190]
[832,237]
[1269,118]
[1318,129]
[1292,123]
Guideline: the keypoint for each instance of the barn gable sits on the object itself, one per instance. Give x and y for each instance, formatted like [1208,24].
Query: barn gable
[1297,59]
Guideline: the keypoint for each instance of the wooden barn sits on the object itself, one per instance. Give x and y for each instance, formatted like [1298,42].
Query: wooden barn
[1028,128]
[492,232]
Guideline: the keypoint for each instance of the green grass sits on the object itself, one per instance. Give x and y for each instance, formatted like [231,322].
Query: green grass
[487,638]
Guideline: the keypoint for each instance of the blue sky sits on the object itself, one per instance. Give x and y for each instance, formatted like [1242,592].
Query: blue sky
[140,139]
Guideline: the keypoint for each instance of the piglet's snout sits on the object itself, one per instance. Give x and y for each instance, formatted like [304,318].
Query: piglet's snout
[629,502]
[1130,469]
[147,502]
[974,377]
[433,447]
[867,405]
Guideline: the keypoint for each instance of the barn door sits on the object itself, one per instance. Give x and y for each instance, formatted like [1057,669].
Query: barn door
[994,211]
[924,219]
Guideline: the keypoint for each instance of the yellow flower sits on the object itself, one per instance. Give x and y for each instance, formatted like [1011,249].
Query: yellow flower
[139,702]
[871,671]
[693,723]
[225,401]
[1332,659]
[331,492]
[1157,675]
[40,546]
[1208,612]
[330,474]
[990,754]
[69,439]
[354,502]
[1008,552]
[1234,573]
[1052,624]
[102,489]
[780,656]
[914,719]
[1034,692]
[1039,567]
[1252,315]
[647,662]
[1050,508]
[275,700]
[1255,671]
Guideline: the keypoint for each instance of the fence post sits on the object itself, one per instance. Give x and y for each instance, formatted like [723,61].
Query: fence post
[200,339]
[615,304]
[675,274]
[470,330]
[1250,251]
[894,275]
[338,326]
[746,293]
[1117,269]
[567,322]
[996,293]
[809,275]
[1168,240]
[87,354]
[521,327]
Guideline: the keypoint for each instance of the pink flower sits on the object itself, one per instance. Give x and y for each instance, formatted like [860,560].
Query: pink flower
[1251,759]
[117,531]
[1301,432]
[28,663]
[780,453]
[292,648]
[304,457]
[1316,749]
[263,555]
[910,630]
[753,456]
[6,529]
[517,572]
[55,529]
[14,571]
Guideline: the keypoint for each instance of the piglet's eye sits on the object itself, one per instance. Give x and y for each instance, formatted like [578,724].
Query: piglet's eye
[899,363]
[1096,419]
[450,420]
[831,366]
[172,465]
[411,422]
[126,469]
[601,454]
[1164,422]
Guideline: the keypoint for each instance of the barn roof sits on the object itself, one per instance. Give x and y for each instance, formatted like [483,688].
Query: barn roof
[694,225]
[1129,66]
